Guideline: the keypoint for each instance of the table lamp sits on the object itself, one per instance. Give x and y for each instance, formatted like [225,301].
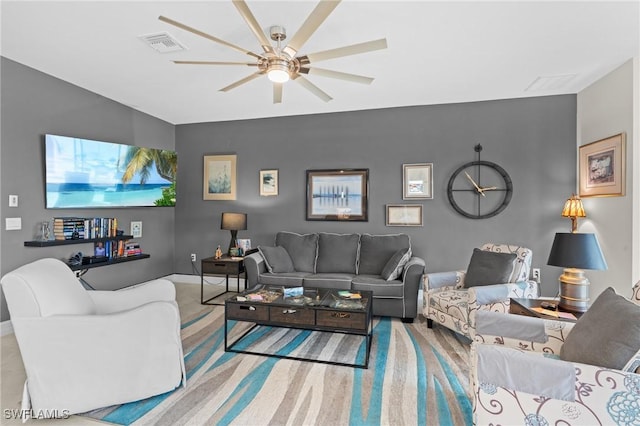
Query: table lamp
[233,222]
[575,252]
[574,209]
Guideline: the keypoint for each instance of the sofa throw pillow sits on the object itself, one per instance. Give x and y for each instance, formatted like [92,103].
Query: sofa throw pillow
[337,253]
[607,335]
[487,267]
[376,250]
[393,268]
[303,249]
[276,259]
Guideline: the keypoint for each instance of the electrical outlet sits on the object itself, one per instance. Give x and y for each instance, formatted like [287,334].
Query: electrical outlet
[193,257]
[535,274]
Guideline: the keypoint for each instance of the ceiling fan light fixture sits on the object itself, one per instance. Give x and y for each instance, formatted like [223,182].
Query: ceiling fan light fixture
[278,71]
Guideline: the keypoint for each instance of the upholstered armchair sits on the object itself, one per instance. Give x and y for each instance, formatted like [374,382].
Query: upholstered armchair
[84,350]
[527,370]
[451,302]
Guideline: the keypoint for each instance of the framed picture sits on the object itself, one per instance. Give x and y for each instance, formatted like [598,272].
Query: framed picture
[602,167]
[404,214]
[268,182]
[341,195]
[219,182]
[244,244]
[417,181]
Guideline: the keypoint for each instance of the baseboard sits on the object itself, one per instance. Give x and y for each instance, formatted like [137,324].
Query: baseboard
[6,328]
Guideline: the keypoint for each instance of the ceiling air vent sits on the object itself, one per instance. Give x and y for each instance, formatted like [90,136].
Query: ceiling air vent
[554,82]
[162,42]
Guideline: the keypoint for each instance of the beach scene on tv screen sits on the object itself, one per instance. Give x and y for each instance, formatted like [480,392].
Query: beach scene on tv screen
[83,173]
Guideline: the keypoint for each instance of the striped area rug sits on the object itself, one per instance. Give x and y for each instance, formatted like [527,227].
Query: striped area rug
[413,378]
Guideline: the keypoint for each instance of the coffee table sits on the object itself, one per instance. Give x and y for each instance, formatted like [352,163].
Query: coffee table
[318,309]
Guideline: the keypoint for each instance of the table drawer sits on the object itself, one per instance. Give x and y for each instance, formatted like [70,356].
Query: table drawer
[226,268]
[293,315]
[246,312]
[344,320]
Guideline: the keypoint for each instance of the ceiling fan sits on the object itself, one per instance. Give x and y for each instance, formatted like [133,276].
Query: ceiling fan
[282,64]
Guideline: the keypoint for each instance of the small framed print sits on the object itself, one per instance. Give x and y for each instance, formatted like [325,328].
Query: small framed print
[268,182]
[602,167]
[417,181]
[404,214]
[219,177]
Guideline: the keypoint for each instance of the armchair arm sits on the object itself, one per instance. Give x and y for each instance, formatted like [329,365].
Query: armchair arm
[444,280]
[131,355]
[254,265]
[600,395]
[520,332]
[115,301]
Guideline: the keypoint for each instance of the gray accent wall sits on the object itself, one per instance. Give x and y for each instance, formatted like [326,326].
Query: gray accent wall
[33,104]
[534,139]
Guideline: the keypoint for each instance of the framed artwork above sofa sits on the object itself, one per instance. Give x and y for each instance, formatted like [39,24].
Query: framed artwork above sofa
[339,195]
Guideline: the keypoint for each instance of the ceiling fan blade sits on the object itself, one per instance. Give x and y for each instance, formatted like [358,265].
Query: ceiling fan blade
[207,36]
[277,93]
[253,25]
[354,49]
[242,81]
[354,78]
[250,64]
[312,88]
[315,19]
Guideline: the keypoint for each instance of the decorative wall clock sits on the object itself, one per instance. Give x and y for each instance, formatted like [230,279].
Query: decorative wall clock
[479,189]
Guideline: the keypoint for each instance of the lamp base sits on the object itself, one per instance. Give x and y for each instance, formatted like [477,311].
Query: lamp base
[574,290]
[233,243]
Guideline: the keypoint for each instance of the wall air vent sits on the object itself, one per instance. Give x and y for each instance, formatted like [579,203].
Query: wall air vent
[162,42]
[554,82]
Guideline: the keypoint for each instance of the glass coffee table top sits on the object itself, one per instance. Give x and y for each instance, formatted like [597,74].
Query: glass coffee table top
[305,296]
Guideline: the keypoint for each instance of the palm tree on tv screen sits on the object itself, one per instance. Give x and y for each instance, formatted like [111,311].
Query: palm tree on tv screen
[140,161]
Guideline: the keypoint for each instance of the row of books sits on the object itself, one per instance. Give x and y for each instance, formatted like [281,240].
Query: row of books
[116,248]
[74,228]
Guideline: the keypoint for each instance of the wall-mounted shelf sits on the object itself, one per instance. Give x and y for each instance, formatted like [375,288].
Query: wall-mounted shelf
[111,261]
[49,243]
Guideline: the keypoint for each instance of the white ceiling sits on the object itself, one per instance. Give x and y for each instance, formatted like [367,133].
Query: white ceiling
[439,52]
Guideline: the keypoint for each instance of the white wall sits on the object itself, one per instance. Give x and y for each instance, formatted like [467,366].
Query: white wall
[604,109]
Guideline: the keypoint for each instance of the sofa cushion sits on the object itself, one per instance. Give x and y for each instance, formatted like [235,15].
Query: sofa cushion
[376,250]
[337,253]
[380,287]
[276,259]
[303,249]
[329,280]
[607,335]
[488,267]
[393,269]
[287,279]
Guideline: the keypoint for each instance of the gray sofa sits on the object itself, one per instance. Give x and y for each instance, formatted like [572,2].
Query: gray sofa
[380,263]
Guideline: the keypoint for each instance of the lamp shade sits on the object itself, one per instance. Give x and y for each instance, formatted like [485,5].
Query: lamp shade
[573,207]
[573,250]
[233,221]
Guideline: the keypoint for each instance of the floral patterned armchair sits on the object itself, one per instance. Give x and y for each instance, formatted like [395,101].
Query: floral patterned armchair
[548,391]
[448,302]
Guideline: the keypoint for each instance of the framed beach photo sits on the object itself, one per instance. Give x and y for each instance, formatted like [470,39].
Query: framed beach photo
[404,215]
[338,195]
[602,167]
[219,177]
[268,182]
[417,181]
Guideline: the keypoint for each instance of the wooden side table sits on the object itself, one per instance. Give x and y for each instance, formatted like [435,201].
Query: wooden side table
[525,307]
[224,266]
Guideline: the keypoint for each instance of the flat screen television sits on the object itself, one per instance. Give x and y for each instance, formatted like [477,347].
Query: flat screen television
[83,173]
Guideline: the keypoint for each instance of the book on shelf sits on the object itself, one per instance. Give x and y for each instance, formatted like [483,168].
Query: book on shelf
[116,248]
[67,228]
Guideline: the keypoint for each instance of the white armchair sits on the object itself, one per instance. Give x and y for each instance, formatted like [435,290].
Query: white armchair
[448,302]
[84,350]
[518,378]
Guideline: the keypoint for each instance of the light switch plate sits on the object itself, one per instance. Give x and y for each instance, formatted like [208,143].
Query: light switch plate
[136,229]
[13,223]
